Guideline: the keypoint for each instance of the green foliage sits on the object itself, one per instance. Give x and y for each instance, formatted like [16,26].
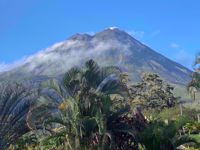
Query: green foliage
[29,139]
[15,101]
[152,93]
[54,141]
[85,115]
[91,110]
[171,114]
[194,86]
[192,128]
[169,128]
[164,135]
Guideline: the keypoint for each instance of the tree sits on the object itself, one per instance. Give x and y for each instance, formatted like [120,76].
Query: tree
[152,93]
[15,101]
[194,85]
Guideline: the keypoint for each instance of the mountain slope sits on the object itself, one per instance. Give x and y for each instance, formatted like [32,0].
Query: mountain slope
[109,47]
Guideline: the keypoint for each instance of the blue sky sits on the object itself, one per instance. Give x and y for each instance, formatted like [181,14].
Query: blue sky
[171,27]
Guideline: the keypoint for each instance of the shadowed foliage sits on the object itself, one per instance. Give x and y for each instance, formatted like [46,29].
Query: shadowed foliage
[15,100]
[85,115]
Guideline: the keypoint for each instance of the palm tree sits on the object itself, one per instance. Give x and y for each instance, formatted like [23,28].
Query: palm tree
[51,97]
[106,79]
[93,87]
[85,113]
[194,85]
[15,101]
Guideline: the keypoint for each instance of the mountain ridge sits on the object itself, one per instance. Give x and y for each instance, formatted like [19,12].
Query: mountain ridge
[111,46]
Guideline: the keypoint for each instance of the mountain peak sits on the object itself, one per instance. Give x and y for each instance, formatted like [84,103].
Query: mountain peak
[114,33]
[81,37]
[112,28]
[109,34]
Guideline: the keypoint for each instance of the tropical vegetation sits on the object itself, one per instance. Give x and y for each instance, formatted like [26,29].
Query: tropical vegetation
[97,108]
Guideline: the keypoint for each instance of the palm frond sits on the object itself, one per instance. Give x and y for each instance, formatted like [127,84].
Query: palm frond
[115,115]
[15,101]
[192,138]
[72,80]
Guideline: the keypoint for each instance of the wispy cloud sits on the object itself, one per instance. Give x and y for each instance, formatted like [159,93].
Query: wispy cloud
[90,33]
[3,67]
[137,34]
[184,58]
[75,55]
[9,66]
[181,55]
[174,45]
[155,33]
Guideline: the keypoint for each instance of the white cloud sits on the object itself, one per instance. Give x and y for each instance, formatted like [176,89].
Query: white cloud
[3,67]
[113,28]
[140,34]
[68,54]
[181,55]
[184,58]
[174,45]
[90,33]
[6,66]
[137,34]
